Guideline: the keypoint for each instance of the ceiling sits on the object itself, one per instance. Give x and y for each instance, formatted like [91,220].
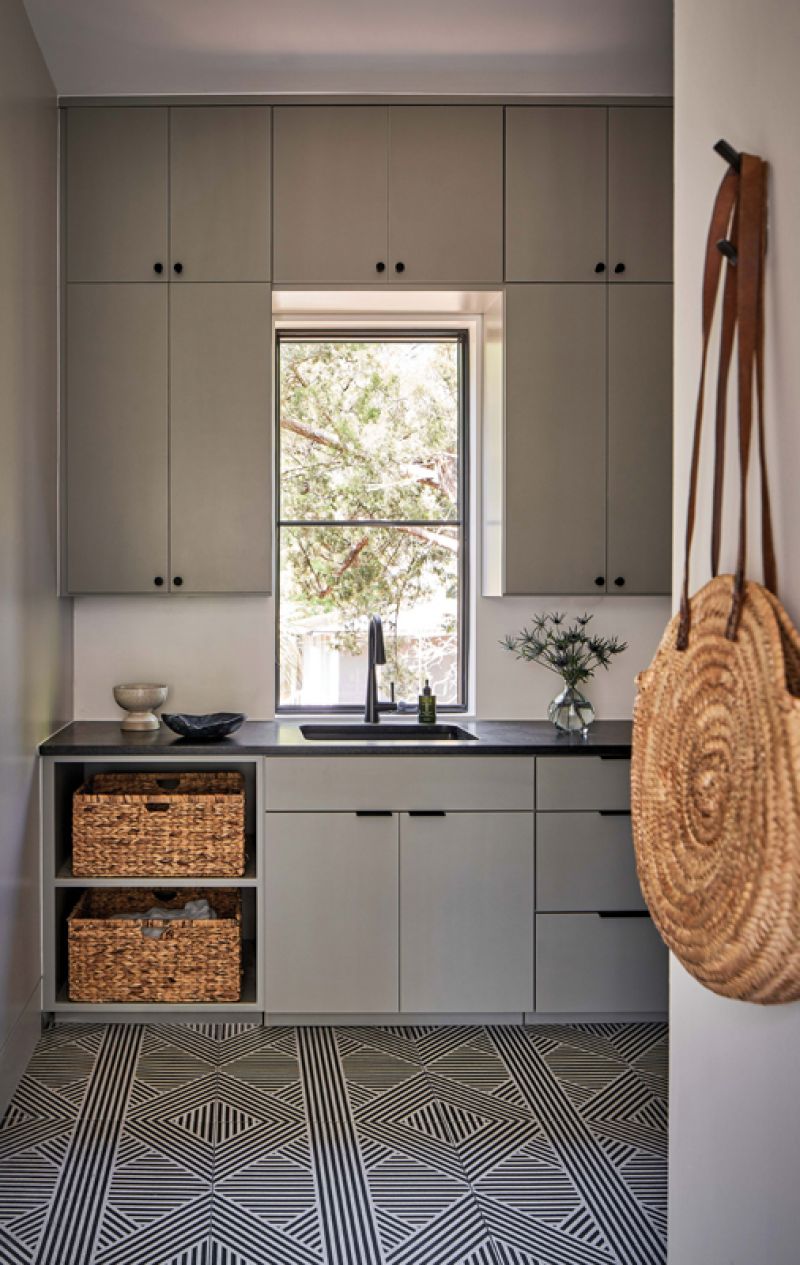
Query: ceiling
[122,47]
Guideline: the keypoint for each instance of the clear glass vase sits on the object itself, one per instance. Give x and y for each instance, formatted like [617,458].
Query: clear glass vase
[570,711]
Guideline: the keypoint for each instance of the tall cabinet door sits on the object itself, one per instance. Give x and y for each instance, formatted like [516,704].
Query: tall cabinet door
[555,457]
[330,193]
[446,193]
[116,439]
[556,193]
[640,439]
[331,913]
[116,193]
[220,463]
[219,193]
[640,193]
[466,902]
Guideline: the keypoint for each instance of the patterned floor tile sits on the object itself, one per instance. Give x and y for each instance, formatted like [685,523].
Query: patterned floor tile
[240,1145]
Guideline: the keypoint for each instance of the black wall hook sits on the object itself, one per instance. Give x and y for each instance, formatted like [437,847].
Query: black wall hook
[731,155]
[728,249]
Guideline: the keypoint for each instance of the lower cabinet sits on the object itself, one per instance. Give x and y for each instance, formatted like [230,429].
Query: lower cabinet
[331,913]
[466,912]
[599,963]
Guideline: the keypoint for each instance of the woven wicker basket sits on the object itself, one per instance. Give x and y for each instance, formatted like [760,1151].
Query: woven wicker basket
[155,825]
[110,960]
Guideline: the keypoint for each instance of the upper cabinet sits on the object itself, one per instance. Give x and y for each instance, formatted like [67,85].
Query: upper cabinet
[157,194]
[588,194]
[388,193]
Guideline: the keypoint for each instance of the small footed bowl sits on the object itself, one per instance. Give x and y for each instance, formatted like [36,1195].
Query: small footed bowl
[139,701]
[207,728]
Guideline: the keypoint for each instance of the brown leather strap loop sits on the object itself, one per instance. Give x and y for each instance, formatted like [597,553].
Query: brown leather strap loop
[726,342]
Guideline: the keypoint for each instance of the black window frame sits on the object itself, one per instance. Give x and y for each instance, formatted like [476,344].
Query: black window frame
[461,337]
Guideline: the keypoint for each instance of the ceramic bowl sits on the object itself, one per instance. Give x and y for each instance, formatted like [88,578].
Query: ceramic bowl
[207,728]
[138,701]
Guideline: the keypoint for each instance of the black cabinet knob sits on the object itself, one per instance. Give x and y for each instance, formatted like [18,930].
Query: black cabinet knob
[158,268]
[600,267]
[380,266]
[620,581]
[177,268]
[619,268]
[177,581]
[400,266]
[599,580]
[158,581]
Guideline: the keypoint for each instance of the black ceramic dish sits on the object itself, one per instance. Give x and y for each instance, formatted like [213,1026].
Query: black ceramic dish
[204,728]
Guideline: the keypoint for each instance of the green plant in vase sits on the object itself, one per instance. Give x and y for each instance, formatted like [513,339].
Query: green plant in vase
[574,654]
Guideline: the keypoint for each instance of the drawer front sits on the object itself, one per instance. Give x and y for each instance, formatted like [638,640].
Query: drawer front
[585,962]
[585,861]
[399,783]
[568,783]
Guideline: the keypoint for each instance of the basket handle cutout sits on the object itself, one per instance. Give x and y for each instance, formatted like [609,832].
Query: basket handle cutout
[168,783]
[157,808]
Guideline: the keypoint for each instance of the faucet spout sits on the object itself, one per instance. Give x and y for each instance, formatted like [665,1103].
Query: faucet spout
[376,655]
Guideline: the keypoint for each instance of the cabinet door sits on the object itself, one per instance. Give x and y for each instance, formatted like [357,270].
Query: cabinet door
[555,193]
[330,193]
[116,199]
[599,964]
[220,504]
[585,861]
[640,439]
[116,439]
[219,193]
[466,902]
[555,458]
[640,193]
[446,193]
[331,914]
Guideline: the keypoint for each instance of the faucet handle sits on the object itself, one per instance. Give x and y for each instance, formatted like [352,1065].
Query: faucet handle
[391,691]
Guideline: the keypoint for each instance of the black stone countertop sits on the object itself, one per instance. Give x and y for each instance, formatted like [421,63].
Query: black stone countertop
[283,737]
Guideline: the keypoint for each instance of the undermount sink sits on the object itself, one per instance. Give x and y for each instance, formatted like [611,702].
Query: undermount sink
[386,733]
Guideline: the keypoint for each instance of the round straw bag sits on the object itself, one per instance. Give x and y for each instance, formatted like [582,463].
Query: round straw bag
[716,747]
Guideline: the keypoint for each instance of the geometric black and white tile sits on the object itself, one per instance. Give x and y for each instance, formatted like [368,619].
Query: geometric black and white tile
[243,1145]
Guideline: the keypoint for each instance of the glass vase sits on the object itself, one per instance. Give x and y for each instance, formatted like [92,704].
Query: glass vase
[570,711]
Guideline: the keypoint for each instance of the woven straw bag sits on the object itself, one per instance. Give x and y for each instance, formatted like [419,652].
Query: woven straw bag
[716,744]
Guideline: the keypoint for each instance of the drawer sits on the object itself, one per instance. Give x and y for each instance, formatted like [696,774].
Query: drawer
[582,782]
[600,965]
[585,861]
[399,783]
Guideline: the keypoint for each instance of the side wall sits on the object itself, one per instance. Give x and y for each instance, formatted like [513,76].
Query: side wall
[35,627]
[735,1109]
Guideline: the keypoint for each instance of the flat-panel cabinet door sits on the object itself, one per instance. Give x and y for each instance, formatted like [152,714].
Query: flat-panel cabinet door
[116,194]
[446,193]
[640,193]
[331,914]
[556,193]
[555,459]
[640,439]
[466,909]
[601,964]
[219,193]
[116,439]
[220,462]
[330,193]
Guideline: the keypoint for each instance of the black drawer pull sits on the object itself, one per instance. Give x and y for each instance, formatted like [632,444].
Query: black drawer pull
[614,812]
[374,812]
[623,913]
[427,812]
[616,755]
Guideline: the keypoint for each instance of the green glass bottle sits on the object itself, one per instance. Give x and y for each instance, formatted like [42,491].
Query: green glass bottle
[427,705]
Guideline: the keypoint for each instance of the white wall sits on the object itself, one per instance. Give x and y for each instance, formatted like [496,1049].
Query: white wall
[735,1105]
[35,652]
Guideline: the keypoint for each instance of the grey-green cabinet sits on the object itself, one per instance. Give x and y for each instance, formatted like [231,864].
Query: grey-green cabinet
[595,963]
[388,194]
[167,439]
[331,915]
[554,518]
[220,427]
[466,912]
[116,439]
[116,202]
[588,423]
[167,194]
[588,194]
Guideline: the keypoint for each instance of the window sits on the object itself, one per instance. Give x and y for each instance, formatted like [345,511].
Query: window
[371,513]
